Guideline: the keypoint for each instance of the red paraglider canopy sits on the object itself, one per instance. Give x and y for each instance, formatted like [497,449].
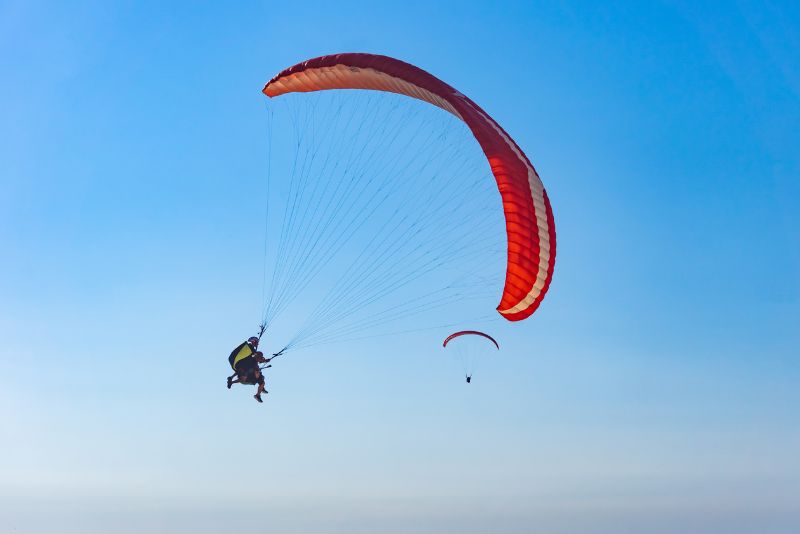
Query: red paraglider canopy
[468,333]
[529,217]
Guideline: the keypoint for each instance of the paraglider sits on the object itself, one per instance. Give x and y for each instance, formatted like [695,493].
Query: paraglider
[467,353]
[245,360]
[321,215]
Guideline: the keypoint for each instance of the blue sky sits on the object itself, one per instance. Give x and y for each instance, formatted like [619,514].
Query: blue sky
[654,391]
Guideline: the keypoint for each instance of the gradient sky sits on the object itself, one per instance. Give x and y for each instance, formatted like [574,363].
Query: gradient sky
[655,391]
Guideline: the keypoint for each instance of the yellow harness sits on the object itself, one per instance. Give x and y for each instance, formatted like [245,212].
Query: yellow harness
[243,353]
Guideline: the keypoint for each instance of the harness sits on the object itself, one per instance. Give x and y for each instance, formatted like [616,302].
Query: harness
[245,350]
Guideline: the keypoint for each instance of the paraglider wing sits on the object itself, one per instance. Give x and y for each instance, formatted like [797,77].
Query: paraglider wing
[529,217]
[469,333]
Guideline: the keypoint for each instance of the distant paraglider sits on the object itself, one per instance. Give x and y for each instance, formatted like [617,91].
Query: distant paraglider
[468,352]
